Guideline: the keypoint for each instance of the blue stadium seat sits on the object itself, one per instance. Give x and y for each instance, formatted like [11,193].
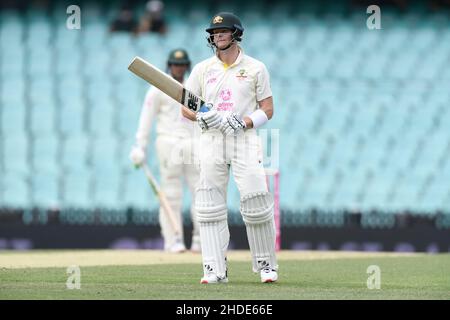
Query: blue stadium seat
[70,87]
[378,193]
[314,187]
[128,94]
[343,151]
[94,36]
[12,28]
[408,190]
[43,118]
[107,190]
[13,119]
[16,191]
[74,154]
[119,41]
[16,154]
[71,121]
[40,63]
[432,151]
[104,154]
[426,37]
[77,190]
[98,91]
[42,89]
[66,38]
[145,42]
[121,61]
[128,119]
[39,33]
[44,188]
[96,66]
[68,63]
[396,38]
[13,90]
[45,155]
[346,194]
[13,62]
[101,118]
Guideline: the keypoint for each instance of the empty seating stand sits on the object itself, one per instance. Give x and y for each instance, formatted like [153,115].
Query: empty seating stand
[363,115]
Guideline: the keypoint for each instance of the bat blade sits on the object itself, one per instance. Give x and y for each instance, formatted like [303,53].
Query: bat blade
[165,83]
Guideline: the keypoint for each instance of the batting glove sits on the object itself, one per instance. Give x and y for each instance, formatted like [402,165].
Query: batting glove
[232,125]
[137,156]
[209,120]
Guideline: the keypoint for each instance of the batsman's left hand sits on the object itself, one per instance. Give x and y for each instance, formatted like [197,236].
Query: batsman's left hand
[208,120]
[232,125]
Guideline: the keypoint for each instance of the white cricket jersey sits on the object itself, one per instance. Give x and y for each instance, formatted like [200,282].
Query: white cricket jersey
[235,88]
[167,113]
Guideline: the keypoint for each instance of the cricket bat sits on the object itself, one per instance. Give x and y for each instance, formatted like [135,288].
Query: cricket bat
[167,84]
[162,199]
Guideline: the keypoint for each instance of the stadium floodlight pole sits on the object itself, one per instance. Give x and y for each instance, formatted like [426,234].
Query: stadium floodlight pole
[162,199]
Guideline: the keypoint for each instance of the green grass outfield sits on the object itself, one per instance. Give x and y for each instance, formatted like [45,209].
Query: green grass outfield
[146,274]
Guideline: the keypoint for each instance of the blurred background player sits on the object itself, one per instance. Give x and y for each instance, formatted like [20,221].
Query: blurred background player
[175,136]
[238,88]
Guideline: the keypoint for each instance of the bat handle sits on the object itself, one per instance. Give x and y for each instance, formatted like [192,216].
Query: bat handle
[206,107]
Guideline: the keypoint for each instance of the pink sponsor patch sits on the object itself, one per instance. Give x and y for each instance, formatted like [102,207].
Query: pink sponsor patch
[211,77]
[225,94]
[225,106]
[211,80]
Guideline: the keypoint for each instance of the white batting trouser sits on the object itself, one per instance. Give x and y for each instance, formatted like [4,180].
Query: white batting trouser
[177,160]
[243,153]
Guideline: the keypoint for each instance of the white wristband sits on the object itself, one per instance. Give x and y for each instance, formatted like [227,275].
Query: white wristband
[258,117]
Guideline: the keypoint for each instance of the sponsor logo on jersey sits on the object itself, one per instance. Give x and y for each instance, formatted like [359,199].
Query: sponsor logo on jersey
[211,77]
[225,94]
[241,74]
[226,104]
[211,80]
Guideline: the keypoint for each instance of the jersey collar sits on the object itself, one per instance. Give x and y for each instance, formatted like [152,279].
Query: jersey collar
[238,59]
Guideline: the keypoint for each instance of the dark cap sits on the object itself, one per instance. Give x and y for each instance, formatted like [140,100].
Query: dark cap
[178,56]
[226,20]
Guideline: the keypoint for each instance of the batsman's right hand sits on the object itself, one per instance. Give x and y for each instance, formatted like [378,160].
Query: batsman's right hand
[209,120]
[137,156]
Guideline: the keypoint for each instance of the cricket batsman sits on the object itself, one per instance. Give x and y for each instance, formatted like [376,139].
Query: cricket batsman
[238,88]
[176,152]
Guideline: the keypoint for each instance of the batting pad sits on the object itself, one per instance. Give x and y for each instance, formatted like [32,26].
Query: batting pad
[214,234]
[257,212]
[214,237]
